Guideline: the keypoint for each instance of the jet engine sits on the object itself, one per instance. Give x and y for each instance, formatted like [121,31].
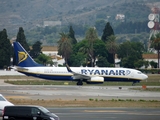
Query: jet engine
[95,80]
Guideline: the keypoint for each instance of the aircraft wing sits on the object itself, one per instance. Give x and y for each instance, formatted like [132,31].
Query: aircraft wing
[77,75]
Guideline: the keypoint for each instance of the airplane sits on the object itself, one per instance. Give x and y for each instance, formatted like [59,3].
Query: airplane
[90,75]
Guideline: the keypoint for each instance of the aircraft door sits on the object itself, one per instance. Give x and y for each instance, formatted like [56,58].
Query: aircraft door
[38,72]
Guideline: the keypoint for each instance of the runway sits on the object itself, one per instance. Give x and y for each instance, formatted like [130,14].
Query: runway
[76,92]
[84,93]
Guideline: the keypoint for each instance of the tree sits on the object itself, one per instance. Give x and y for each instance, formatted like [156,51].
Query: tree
[139,63]
[36,49]
[91,37]
[22,39]
[102,62]
[146,63]
[85,50]
[64,46]
[5,49]
[99,24]
[155,43]
[129,53]
[108,31]
[44,59]
[72,36]
[153,64]
[112,46]
[77,59]
[80,53]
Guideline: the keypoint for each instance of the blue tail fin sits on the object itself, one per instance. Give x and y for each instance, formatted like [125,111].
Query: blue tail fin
[22,57]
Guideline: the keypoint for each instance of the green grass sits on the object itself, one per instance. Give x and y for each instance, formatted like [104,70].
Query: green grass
[47,82]
[153,80]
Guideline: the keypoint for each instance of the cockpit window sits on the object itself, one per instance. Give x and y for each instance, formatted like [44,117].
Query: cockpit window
[139,72]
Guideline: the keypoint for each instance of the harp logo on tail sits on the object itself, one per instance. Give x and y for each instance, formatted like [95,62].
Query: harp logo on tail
[22,56]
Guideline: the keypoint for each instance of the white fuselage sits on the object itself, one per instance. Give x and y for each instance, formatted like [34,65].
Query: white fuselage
[109,74]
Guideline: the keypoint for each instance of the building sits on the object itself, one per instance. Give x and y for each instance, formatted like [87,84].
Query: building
[52,51]
[147,57]
[120,17]
[51,23]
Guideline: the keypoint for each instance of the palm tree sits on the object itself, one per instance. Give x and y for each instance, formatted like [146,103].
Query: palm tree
[91,36]
[85,50]
[155,43]
[64,46]
[112,46]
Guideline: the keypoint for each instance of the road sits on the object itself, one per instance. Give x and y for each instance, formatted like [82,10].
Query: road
[107,113]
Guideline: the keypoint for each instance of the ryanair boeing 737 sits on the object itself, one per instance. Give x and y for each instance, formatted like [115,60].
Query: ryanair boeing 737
[90,75]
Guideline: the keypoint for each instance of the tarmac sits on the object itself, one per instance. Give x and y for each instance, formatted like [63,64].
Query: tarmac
[69,92]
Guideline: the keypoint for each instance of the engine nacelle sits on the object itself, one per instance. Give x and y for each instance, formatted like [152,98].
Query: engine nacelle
[95,80]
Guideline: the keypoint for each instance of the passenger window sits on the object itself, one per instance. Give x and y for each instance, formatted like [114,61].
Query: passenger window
[34,111]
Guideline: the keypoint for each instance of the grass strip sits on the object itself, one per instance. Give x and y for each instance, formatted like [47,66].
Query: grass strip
[90,103]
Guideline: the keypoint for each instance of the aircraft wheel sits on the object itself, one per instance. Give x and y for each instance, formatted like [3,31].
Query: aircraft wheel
[80,83]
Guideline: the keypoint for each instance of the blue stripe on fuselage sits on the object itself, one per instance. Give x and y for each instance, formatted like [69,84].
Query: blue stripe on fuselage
[49,77]
[69,78]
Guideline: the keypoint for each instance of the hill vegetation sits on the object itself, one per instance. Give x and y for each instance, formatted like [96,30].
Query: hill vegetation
[81,14]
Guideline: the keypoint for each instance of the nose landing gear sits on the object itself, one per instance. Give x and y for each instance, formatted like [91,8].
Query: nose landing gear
[134,83]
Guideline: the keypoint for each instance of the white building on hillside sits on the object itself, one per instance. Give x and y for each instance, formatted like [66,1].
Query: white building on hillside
[51,23]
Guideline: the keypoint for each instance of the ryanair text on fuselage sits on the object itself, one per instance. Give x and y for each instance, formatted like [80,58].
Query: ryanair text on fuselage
[104,72]
[98,72]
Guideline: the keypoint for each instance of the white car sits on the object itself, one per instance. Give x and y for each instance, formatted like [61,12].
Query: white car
[3,102]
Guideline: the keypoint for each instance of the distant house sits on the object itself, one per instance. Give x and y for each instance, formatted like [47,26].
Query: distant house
[147,57]
[120,17]
[52,51]
[150,57]
[51,23]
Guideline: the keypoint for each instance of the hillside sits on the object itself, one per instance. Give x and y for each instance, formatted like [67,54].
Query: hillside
[31,13]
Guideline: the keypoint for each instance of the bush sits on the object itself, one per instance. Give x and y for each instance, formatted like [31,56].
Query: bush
[150,71]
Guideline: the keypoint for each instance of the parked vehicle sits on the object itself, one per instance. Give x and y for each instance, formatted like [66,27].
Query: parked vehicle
[28,113]
[3,102]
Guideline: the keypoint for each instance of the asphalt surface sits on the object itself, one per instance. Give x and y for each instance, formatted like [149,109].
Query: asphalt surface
[76,92]
[84,93]
[107,113]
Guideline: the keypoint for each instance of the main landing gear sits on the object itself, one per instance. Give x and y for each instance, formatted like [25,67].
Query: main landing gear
[80,82]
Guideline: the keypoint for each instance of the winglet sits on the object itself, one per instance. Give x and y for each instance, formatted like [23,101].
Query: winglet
[68,68]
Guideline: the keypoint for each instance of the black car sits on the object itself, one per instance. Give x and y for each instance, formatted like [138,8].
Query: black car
[28,113]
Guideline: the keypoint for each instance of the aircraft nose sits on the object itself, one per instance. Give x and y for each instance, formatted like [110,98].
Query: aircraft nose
[145,76]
